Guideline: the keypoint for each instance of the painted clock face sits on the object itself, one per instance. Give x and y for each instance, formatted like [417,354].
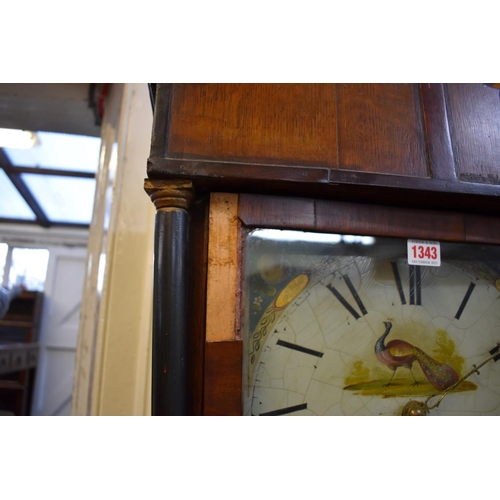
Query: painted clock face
[343,325]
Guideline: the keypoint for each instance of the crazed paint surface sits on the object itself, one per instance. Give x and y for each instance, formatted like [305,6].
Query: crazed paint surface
[365,381]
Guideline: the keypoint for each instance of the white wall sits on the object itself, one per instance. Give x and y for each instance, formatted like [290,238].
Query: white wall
[112,372]
[59,331]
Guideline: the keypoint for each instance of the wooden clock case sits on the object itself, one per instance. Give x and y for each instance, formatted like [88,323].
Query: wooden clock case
[404,160]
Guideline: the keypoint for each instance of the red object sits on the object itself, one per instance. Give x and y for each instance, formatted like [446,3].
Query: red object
[100,102]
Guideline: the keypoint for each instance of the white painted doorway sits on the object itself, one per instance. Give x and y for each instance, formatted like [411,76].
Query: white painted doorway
[59,331]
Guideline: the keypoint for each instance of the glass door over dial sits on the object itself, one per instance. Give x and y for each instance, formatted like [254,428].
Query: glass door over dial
[343,325]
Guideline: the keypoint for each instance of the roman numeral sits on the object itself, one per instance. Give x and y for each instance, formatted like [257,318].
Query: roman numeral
[399,285]
[416,285]
[344,302]
[493,351]
[285,411]
[466,298]
[299,348]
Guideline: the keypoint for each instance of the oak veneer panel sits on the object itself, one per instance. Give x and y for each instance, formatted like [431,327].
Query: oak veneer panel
[223,378]
[474,111]
[266,123]
[381,129]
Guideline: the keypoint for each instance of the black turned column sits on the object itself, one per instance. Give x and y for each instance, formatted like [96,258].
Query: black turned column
[170,320]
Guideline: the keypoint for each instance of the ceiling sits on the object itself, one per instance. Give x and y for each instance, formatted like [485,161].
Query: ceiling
[69,108]
[53,107]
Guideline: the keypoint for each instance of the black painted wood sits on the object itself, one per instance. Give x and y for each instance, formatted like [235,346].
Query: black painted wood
[16,179]
[169,363]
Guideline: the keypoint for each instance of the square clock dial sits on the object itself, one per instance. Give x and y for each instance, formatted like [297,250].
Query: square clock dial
[343,325]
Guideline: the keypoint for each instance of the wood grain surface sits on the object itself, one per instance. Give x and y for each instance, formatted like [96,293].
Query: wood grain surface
[366,127]
[475,128]
[272,123]
[223,378]
[433,145]
[350,218]
[198,236]
[381,129]
[222,286]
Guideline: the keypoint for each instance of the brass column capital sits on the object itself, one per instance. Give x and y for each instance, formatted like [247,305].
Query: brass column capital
[169,382]
[167,194]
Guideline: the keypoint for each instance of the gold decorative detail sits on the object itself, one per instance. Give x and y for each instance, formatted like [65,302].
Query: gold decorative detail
[425,407]
[414,409]
[444,351]
[359,374]
[167,194]
[291,290]
[267,320]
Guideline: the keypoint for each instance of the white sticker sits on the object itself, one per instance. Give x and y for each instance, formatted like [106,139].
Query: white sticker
[424,253]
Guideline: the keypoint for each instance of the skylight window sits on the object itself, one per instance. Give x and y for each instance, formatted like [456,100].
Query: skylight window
[63,199]
[12,204]
[59,151]
[53,182]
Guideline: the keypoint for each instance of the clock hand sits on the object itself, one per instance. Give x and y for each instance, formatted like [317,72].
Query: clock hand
[417,408]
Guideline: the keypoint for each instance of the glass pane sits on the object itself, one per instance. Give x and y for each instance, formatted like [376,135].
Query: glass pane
[3,256]
[59,151]
[29,266]
[63,199]
[12,204]
[344,325]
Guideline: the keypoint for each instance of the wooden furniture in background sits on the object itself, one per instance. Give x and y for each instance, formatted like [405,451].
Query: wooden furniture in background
[19,352]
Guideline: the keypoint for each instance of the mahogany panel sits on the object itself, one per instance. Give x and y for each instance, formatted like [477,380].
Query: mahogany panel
[266,123]
[351,218]
[198,236]
[482,229]
[259,210]
[474,111]
[223,378]
[381,129]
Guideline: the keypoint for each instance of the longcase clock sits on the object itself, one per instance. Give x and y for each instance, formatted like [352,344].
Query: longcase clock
[282,279]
